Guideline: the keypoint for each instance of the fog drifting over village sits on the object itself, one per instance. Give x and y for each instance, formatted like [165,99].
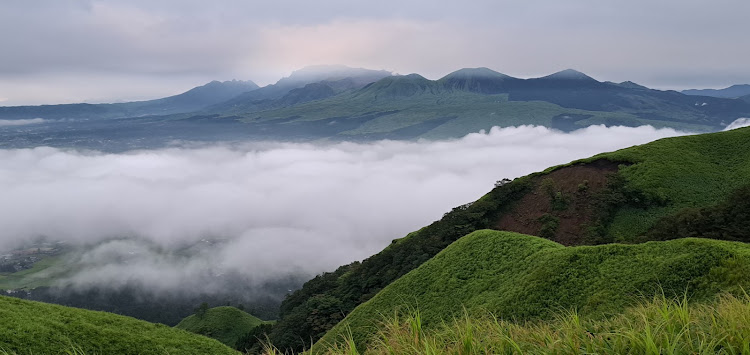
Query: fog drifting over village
[273,209]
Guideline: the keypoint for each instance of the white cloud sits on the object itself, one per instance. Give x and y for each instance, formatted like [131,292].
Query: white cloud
[738,123]
[20,122]
[280,207]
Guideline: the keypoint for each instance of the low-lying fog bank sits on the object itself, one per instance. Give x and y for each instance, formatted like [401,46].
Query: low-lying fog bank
[278,209]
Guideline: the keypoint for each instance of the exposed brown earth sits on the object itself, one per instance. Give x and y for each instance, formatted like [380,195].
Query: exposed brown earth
[575,185]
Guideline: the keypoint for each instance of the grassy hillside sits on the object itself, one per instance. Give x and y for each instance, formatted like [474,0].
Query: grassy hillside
[619,196]
[38,328]
[225,324]
[679,173]
[519,277]
[659,326]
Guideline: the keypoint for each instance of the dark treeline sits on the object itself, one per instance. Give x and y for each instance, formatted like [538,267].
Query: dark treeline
[729,220]
[165,308]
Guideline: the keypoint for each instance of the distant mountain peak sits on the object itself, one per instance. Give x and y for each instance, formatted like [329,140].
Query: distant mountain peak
[734,91]
[315,73]
[481,72]
[630,85]
[569,74]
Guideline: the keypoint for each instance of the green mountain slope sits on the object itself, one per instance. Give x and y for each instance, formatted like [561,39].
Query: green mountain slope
[619,196]
[468,100]
[39,328]
[519,277]
[225,324]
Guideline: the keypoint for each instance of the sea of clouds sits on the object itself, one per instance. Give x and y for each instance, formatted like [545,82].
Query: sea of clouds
[279,208]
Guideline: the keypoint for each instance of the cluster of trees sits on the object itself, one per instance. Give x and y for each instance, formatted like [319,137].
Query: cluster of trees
[139,303]
[728,220]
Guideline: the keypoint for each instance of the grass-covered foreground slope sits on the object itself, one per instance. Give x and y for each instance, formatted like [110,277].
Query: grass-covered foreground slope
[612,197]
[520,277]
[225,324]
[659,326]
[38,328]
[622,196]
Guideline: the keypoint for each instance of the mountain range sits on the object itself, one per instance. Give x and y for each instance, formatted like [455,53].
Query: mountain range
[342,103]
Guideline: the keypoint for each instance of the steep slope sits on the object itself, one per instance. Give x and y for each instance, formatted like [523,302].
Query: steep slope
[519,277]
[731,92]
[39,328]
[615,196]
[398,88]
[225,324]
[192,100]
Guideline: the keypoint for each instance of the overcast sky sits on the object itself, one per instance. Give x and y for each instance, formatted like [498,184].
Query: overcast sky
[56,51]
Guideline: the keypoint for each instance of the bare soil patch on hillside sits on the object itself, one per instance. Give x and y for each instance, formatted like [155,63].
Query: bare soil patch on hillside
[564,195]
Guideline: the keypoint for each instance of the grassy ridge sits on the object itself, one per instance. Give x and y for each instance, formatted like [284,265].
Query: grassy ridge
[690,171]
[225,324]
[661,326]
[39,328]
[515,276]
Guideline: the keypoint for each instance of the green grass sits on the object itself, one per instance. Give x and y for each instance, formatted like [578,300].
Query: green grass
[225,324]
[38,328]
[692,171]
[659,326]
[515,276]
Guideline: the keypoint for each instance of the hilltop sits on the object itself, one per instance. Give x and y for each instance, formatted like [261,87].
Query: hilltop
[225,324]
[39,328]
[519,277]
[628,196]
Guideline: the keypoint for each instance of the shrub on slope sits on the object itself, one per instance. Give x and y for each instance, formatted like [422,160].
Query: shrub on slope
[515,276]
[29,327]
[225,324]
